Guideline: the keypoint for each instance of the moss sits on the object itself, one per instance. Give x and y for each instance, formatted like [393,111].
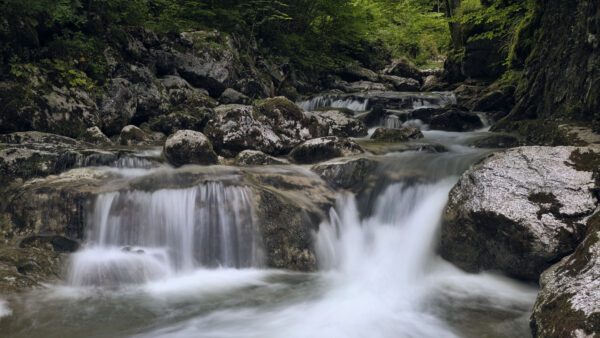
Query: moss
[345,111]
[587,161]
[582,255]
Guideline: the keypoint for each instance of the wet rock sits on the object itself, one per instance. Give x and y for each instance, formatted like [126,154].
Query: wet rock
[342,124]
[403,84]
[189,147]
[455,120]
[356,73]
[184,96]
[95,136]
[273,126]
[255,157]
[132,135]
[324,148]
[232,96]
[345,173]
[517,211]
[568,304]
[396,135]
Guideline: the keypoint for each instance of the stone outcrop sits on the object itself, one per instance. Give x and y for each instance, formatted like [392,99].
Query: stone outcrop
[519,211]
[273,126]
[255,157]
[341,124]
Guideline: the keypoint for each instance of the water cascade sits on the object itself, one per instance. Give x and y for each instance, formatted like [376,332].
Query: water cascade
[137,236]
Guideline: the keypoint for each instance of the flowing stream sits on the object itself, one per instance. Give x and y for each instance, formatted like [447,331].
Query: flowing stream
[189,263]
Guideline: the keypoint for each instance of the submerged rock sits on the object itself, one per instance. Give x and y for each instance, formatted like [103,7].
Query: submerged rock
[517,211]
[255,157]
[569,303]
[189,147]
[396,135]
[324,148]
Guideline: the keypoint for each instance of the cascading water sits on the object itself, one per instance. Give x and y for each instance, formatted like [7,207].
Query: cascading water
[189,263]
[355,103]
[138,236]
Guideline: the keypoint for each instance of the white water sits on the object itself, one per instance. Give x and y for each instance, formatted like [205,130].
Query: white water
[152,269]
[352,103]
[393,100]
[139,236]
[4,309]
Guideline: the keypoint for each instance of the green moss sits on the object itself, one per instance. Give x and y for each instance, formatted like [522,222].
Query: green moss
[586,161]
[539,132]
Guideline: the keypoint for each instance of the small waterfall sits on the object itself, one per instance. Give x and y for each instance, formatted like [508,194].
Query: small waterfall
[355,103]
[137,236]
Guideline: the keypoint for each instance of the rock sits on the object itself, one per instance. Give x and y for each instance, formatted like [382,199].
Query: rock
[169,124]
[568,304]
[232,96]
[455,120]
[273,126]
[184,97]
[95,136]
[517,211]
[375,116]
[363,86]
[324,148]
[403,68]
[213,67]
[132,135]
[496,141]
[403,84]
[345,173]
[396,135]
[189,147]
[341,124]
[25,155]
[356,73]
[255,157]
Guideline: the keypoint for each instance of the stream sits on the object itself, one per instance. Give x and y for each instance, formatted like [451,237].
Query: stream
[203,271]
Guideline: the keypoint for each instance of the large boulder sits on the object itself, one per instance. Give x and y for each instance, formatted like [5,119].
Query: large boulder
[324,148]
[342,124]
[519,211]
[403,68]
[363,86]
[455,120]
[132,136]
[189,147]
[171,123]
[396,135]
[273,126]
[232,96]
[569,303]
[95,136]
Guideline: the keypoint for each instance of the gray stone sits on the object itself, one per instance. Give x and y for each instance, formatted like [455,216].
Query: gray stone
[345,173]
[396,135]
[132,136]
[95,136]
[341,124]
[255,157]
[518,211]
[232,96]
[189,147]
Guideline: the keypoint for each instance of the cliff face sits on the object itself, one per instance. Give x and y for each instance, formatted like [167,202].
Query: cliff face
[561,75]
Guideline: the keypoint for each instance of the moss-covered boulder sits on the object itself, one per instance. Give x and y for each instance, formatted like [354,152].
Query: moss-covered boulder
[345,173]
[455,120]
[396,135]
[132,135]
[189,147]
[324,148]
[519,211]
[342,124]
[95,136]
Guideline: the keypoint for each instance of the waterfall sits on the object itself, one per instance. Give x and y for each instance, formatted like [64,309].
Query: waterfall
[137,236]
[355,103]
